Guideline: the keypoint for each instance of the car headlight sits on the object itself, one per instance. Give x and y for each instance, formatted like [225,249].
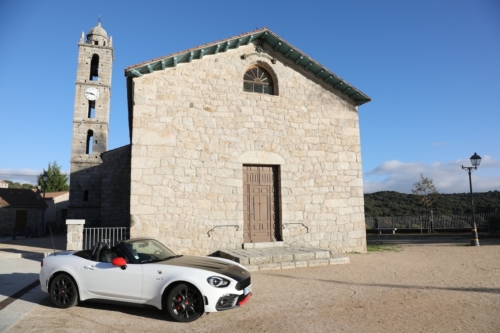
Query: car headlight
[218,282]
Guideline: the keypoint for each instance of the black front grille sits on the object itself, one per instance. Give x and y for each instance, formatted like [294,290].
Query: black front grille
[226,302]
[243,284]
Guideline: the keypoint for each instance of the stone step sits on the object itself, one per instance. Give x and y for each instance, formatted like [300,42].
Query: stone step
[298,264]
[282,257]
[274,255]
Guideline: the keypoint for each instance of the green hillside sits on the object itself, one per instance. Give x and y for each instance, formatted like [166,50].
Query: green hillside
[390,203]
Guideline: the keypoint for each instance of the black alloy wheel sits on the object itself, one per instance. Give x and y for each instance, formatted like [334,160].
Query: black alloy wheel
[185,303]
[63,291]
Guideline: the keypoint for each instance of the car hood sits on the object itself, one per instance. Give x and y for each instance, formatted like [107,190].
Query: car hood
[209,264]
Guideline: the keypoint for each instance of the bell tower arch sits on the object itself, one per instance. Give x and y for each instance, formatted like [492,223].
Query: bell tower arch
[90,124]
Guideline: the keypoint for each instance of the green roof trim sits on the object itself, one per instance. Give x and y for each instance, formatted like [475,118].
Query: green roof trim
[265,35]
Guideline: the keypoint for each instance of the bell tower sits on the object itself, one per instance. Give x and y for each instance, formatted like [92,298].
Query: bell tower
[90,124]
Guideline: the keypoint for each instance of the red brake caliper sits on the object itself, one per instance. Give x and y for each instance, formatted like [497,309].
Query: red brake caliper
[179,299]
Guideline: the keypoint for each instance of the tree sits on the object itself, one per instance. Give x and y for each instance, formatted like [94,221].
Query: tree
[425,192]
[426,195]
[57,181]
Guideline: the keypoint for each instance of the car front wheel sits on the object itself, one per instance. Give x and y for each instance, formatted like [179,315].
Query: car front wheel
[184,303]
[63,291]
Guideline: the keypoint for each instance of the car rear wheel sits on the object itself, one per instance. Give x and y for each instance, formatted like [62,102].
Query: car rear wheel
[63,291]
[184,303]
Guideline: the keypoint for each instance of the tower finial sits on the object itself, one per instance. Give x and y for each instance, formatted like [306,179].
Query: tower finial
[99,19]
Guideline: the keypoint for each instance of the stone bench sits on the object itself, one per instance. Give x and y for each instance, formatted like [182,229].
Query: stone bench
[386,229]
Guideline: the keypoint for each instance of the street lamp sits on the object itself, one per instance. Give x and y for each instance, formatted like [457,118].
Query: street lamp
[475,160]
[45,177]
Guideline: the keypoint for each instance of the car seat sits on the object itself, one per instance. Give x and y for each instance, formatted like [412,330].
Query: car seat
[98,248]
[107,255]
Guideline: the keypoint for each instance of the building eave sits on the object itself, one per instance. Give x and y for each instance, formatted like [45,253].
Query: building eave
[265,35]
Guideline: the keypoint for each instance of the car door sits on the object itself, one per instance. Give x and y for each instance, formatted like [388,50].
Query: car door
[104,279]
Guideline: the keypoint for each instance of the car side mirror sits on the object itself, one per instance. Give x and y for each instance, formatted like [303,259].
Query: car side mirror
[120,262]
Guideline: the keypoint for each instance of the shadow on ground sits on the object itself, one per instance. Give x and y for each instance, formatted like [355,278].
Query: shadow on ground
[401,286]
[10,285]
[148,312]
[38,244]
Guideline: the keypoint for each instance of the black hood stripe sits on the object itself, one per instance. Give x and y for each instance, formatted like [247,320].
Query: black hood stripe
[230,270]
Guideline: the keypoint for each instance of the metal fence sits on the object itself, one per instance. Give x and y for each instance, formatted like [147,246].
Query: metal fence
[439,221]
[111,236]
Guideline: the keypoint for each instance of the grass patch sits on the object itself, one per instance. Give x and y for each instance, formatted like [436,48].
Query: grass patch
[379,247]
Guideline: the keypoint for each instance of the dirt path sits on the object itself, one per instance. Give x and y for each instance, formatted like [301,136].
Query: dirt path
[421,288]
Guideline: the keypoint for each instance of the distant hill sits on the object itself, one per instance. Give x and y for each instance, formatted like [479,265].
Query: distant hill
[390,203]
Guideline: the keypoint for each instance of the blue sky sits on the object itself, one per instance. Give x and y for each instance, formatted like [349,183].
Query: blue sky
[432,69]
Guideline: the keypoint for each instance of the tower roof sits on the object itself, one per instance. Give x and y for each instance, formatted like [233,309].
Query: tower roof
[98,30]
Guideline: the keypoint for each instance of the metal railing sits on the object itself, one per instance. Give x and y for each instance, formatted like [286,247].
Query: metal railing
[305,226]
[462,221]
[111,236]
[222,226]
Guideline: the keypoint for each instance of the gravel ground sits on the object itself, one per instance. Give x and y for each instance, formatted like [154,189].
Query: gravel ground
[414,287]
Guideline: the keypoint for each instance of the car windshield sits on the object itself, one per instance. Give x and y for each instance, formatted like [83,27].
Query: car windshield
[149,250]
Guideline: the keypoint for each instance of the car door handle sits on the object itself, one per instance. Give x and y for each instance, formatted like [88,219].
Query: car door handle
[91,267]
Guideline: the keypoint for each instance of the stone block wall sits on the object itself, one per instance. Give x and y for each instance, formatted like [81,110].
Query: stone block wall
[85,177]
[8,219]
[193,128]
[115,205]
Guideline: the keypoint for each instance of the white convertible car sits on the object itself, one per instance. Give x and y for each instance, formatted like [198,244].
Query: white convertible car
[144,271]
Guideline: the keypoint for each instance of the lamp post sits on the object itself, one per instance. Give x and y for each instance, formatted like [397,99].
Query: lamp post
[475,160]
[45,177]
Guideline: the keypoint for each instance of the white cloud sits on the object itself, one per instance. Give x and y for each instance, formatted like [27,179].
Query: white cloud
[23,176]
[448,177]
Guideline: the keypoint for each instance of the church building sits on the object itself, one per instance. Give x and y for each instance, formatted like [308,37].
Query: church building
[243,140]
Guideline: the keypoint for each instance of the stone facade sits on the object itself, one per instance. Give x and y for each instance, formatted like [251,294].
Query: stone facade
[193,129]
[8,220]
[21,209]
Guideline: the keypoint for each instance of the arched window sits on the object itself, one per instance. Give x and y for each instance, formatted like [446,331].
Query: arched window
[94,68]
[258,80]
[90,136]
[91,113]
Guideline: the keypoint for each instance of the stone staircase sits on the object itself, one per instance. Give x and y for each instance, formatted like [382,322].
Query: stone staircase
[271,256]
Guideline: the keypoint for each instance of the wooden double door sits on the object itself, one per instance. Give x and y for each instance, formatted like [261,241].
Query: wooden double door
[261,203]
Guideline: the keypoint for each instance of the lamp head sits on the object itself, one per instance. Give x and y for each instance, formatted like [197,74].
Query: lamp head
[475,160]
[45,177]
